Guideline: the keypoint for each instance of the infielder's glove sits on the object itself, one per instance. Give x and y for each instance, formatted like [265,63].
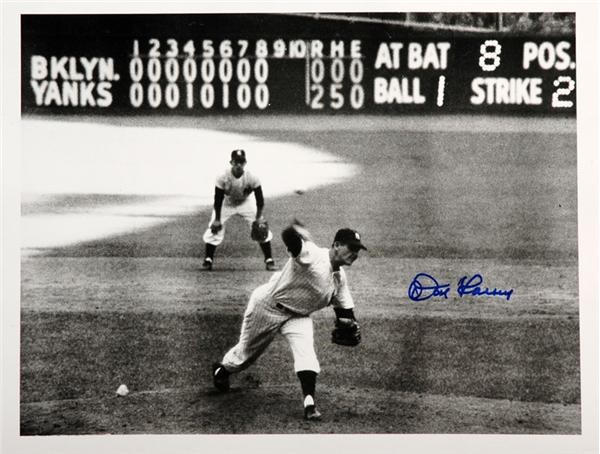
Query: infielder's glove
[260,230]
[215,227]
[346,332]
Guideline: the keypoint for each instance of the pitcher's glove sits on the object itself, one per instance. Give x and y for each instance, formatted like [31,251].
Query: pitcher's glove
[346,332]
[260,230]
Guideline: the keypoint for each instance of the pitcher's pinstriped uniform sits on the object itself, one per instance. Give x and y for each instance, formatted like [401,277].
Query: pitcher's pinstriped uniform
[306,284]
[311,279]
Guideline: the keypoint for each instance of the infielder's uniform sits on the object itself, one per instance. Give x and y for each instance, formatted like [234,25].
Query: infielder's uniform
[232,191]
[236,202]
[310,280]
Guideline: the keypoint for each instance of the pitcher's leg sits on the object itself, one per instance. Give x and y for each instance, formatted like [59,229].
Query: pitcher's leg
[260,325]
[299,333]
[258,331]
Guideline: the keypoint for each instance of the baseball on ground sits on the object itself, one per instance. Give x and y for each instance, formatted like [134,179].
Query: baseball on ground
[122,390]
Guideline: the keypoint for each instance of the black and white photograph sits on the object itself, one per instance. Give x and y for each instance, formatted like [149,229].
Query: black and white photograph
[236,222]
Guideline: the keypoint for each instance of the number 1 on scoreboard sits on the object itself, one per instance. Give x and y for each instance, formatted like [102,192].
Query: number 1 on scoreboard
[441,90]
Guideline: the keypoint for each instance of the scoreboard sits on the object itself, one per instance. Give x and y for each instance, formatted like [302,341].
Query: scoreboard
[201,64]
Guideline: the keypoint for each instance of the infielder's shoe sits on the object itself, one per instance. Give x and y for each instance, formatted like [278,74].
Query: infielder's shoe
[220,377]
[311,413]
[270,265]
[207,264]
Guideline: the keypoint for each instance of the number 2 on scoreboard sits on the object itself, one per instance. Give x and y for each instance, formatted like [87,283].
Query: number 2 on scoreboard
[563,91]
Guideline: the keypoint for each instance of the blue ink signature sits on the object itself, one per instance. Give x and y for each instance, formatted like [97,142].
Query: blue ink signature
[425,286]
[472,286]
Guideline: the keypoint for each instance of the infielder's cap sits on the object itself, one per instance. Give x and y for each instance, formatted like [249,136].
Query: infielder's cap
[351,238]
[238,156]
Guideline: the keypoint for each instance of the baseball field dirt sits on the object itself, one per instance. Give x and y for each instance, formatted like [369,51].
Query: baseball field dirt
[496,199]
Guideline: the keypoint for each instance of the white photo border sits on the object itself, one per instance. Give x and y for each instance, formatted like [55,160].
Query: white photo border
[588,208]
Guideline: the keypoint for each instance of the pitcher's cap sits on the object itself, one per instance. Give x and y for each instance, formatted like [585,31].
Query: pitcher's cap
[238,155]
[351,238]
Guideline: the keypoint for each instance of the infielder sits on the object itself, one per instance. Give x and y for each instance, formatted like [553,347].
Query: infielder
[311,279]
[232,190]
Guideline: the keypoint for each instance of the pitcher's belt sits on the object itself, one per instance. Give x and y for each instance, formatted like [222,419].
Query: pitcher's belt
[282,308]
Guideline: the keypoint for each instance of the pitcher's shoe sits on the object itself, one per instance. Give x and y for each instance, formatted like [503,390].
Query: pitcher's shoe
[311,413]
[220,377]
[207,264]
[270,265]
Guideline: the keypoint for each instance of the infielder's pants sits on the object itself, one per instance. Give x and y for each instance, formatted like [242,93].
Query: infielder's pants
[262,322]
[246,209]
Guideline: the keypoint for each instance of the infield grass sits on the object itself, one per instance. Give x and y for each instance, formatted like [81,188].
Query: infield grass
[136,309]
